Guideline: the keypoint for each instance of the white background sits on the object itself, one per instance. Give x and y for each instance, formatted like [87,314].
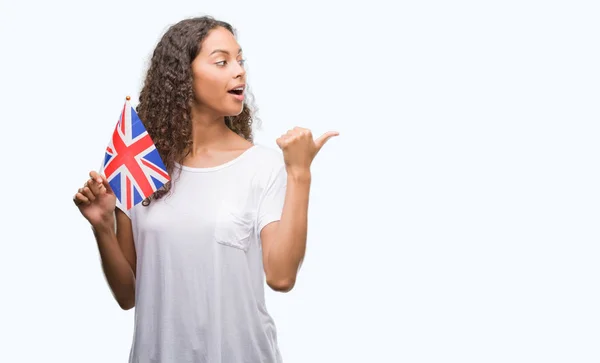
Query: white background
[455,218]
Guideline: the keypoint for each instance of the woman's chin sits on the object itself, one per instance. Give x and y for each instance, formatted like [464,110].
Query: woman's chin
[232,112]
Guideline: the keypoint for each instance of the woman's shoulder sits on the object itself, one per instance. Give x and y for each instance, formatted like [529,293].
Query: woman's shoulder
[267,156]
[267,165]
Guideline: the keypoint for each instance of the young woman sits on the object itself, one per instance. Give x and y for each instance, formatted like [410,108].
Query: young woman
[193,258]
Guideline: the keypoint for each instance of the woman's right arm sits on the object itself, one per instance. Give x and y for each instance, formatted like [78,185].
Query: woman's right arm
[117,254]
[97,203]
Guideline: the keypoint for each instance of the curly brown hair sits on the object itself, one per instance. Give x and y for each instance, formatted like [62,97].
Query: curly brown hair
[165,99]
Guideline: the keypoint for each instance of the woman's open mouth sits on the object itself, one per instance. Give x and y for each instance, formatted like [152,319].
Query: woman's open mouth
[237,92]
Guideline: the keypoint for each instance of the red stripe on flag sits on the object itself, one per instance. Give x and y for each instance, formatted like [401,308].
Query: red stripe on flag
[129,192]
[157,170]
[123,119]
[126,156]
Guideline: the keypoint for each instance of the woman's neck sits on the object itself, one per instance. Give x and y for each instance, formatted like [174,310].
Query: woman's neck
[208,131]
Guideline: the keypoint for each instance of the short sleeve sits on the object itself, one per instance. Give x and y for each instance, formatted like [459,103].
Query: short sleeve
[271,202]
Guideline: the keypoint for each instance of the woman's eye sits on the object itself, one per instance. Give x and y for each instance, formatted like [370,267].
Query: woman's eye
[224,63]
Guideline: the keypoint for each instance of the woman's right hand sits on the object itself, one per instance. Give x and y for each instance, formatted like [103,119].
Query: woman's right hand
[96,201]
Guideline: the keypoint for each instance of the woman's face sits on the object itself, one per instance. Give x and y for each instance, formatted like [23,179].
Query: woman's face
[219,78]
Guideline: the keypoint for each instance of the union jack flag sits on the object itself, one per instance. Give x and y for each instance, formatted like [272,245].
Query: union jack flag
[132,165]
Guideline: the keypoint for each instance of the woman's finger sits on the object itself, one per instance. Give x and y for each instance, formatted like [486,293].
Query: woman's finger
[80,199]
[87,192]
[95,176]
[94,186]
[106,184]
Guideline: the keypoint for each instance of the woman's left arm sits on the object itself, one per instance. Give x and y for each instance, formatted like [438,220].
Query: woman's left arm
[284,241]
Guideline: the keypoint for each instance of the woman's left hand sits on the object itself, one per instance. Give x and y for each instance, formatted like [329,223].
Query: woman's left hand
[299,148]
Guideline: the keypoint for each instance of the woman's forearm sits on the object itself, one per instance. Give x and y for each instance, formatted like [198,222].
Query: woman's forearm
[287,253]
[117,270]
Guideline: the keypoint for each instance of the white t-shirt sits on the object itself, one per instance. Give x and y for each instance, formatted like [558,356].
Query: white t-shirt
[200,279]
